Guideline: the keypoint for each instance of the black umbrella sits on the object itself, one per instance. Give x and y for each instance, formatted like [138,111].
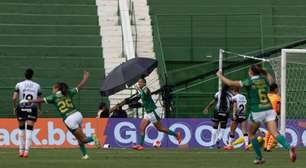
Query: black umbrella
[127,74]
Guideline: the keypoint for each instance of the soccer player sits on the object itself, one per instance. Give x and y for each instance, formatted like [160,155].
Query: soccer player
[151,115]
[257,87]
[275,101]
[62,99]
[26,113]
[239,117]
[223,105]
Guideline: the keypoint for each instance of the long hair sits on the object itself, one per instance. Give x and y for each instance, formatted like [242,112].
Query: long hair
[223,105]
[63,87]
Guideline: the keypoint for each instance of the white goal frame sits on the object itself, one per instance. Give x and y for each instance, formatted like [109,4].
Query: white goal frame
[283,85]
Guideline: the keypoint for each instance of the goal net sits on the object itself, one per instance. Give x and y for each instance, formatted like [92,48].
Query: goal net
[288,70]
[290,75]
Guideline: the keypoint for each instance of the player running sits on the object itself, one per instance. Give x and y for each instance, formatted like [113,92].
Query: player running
[151,115]
[62,99]
[275,101]
[239,117]
[257,87]
[26,113]
[223,106]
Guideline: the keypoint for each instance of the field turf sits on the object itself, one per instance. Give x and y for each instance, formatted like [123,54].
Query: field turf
[157,158]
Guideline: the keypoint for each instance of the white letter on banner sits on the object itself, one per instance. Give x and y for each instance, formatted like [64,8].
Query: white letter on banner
[130,133]
[198,135]
[304,138]
[5,137]
[52,132]
[71,139]
[14,138]
[160,135]
[293,136]
[186,131]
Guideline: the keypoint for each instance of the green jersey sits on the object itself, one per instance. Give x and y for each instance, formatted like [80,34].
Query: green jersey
[148,103]
[63,103]
[257,89]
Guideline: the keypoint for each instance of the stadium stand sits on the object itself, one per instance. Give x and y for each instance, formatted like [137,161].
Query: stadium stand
[191,33]
[58,39]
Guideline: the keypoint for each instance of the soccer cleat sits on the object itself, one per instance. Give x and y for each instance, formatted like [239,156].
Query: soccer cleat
[21,153]
[228,147]
[96,140]
[292,154]
[259,161]
[85,157]
[26,154]
[138,147]
[179,137]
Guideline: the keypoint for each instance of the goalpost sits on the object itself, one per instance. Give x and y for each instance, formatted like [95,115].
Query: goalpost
[297,57]
[289,71]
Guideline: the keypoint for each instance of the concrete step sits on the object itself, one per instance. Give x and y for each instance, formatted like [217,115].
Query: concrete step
[107,12]
[111,28]
[106,3]
[109,21]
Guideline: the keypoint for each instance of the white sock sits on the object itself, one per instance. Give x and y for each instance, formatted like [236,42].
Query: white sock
[214,136]
[21,139]
[28,140]
[246,140]
[230,141]
[221,132]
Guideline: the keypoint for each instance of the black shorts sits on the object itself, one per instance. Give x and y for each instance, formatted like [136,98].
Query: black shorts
[220,117]
[240,118]
[26,112]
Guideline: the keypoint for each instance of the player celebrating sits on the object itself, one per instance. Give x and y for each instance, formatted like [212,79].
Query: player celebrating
[223,105]
[239,117]
[151,115]
[26,112]
[62,99]
[257,87]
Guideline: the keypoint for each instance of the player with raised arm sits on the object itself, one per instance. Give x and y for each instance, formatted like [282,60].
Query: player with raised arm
[26,113]
[151,115]
[257,86]
[223,105]
[62,99]
[239,117]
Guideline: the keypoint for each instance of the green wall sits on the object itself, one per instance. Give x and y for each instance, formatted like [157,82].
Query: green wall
[189,34]
[59,39]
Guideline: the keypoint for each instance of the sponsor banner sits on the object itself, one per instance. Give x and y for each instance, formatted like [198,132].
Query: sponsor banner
[196,133]
[50,132]
[123,133]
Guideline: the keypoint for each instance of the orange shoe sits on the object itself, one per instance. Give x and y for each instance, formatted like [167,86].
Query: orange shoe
[179,137]
[26,154]
[21,153]
[228,147]
[292,154]
[138,147]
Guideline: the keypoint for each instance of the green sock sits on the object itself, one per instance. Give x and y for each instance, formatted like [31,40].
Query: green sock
[142,137]
[89,139]
[256,148]
[282,140]
[83,149]
[172,133]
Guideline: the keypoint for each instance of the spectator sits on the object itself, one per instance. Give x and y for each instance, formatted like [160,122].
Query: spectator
[103,111]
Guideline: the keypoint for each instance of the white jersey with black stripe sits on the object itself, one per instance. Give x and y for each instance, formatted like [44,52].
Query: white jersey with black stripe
[228,102]
[28,89]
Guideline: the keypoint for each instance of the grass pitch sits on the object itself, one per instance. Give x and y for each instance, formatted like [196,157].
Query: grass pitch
[157,158]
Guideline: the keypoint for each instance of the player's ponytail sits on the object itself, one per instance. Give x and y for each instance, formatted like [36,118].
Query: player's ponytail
[223,99]
[63,87]
[254,68]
